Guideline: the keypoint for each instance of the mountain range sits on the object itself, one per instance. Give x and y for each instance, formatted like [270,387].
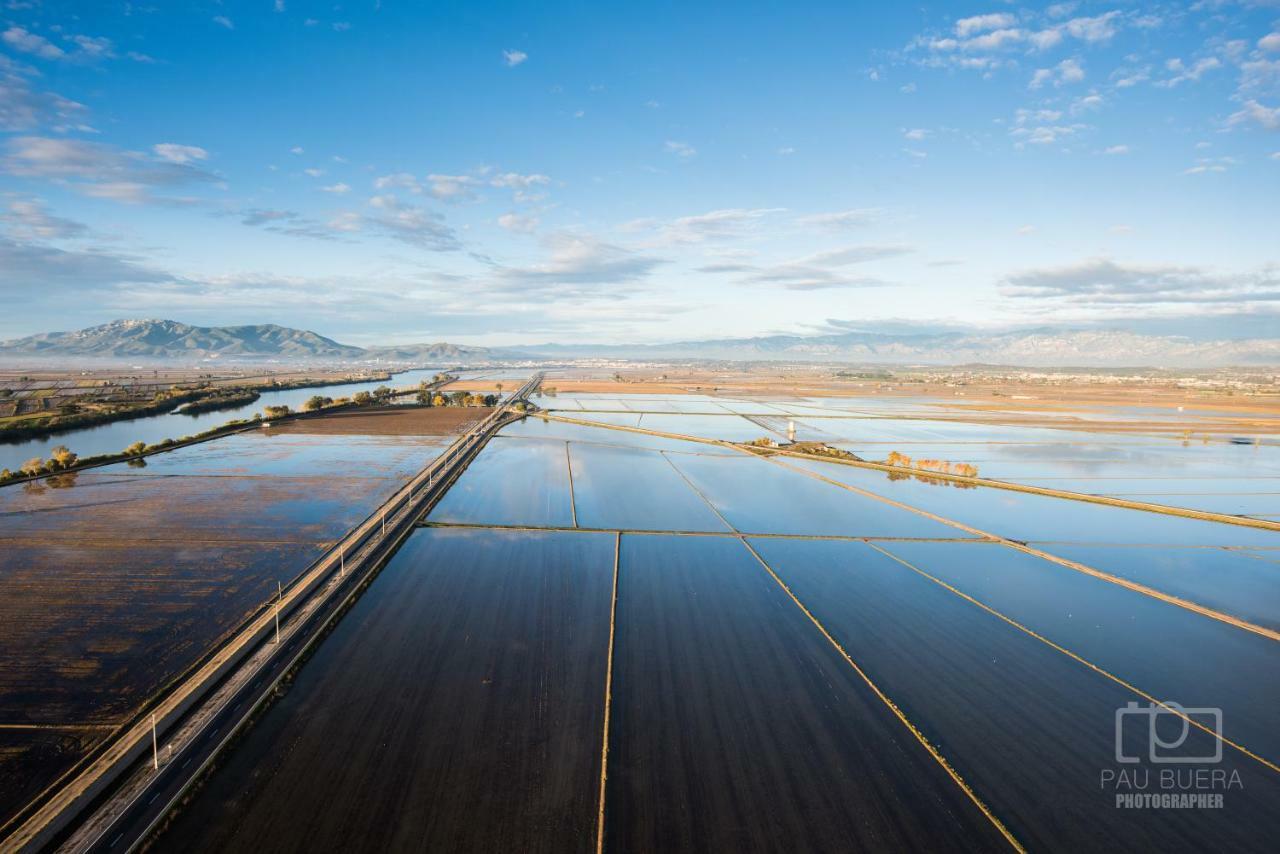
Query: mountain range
[1045,347]
[169,339]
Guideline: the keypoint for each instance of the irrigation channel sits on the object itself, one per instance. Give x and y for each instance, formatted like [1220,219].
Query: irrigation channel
[136,778]
[114,436]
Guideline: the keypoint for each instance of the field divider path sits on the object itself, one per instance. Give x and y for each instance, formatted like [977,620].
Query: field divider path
[573,501]
[700,494]
[892,706]
[655,532]
[1078,658]
[608,693]
[1164,509]
[1052,558]
[234,661]
[1189,605]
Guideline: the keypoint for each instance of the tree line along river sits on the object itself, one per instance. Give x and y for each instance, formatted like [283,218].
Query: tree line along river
[117,435]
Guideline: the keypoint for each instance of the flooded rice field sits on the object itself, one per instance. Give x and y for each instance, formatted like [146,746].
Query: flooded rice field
[611,638]
[457,707]
[118,578]
[1180,461]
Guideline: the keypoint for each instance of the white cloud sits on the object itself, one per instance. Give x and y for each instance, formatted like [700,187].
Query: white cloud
[175,153]
[1067,71]
[23,40]
[94,47]
[1044,39]
[1182,73]
[1070,71]
[1096,29]
[1206,165]
[680,149]
[1128,77]
[523,187]
[1101,281]
[398,179]
[279,5]
[1270,42]
[514,57]
[724,224]
[578,266]
[339,189]
[1117,149]
[31,269]
[966,27]
[518,223]
[452,188]
[224,21]
[412,225]
[819,271]
[29,218]
[23,108]
[1267,117]
[915,134]
[842,220]
[516,181]
[297,149]
[786,151]
[101,171]
[1038,127]
[341,26]
[993,40]
[1086,104]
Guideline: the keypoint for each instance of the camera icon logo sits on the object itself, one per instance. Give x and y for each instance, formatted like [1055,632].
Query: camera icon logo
[1155,720]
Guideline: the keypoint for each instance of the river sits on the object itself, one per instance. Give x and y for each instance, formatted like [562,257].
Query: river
[118,435]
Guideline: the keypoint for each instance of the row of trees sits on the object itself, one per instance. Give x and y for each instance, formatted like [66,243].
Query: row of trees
[61,458]
[962,469]
[456,398]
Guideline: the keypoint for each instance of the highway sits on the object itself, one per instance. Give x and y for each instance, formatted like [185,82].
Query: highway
[116,801]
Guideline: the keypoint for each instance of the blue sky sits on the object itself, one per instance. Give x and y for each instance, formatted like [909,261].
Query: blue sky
[503,173]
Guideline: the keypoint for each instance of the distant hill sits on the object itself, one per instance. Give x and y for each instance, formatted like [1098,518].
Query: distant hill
[164,339]
[169,339]
[1030,348]
[441,352]
[1047,347]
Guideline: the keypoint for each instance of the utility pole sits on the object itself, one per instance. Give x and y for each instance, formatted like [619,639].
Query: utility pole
[342,561]
[155,745]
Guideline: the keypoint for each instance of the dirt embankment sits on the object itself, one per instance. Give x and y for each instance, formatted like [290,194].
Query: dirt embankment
[389,421]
